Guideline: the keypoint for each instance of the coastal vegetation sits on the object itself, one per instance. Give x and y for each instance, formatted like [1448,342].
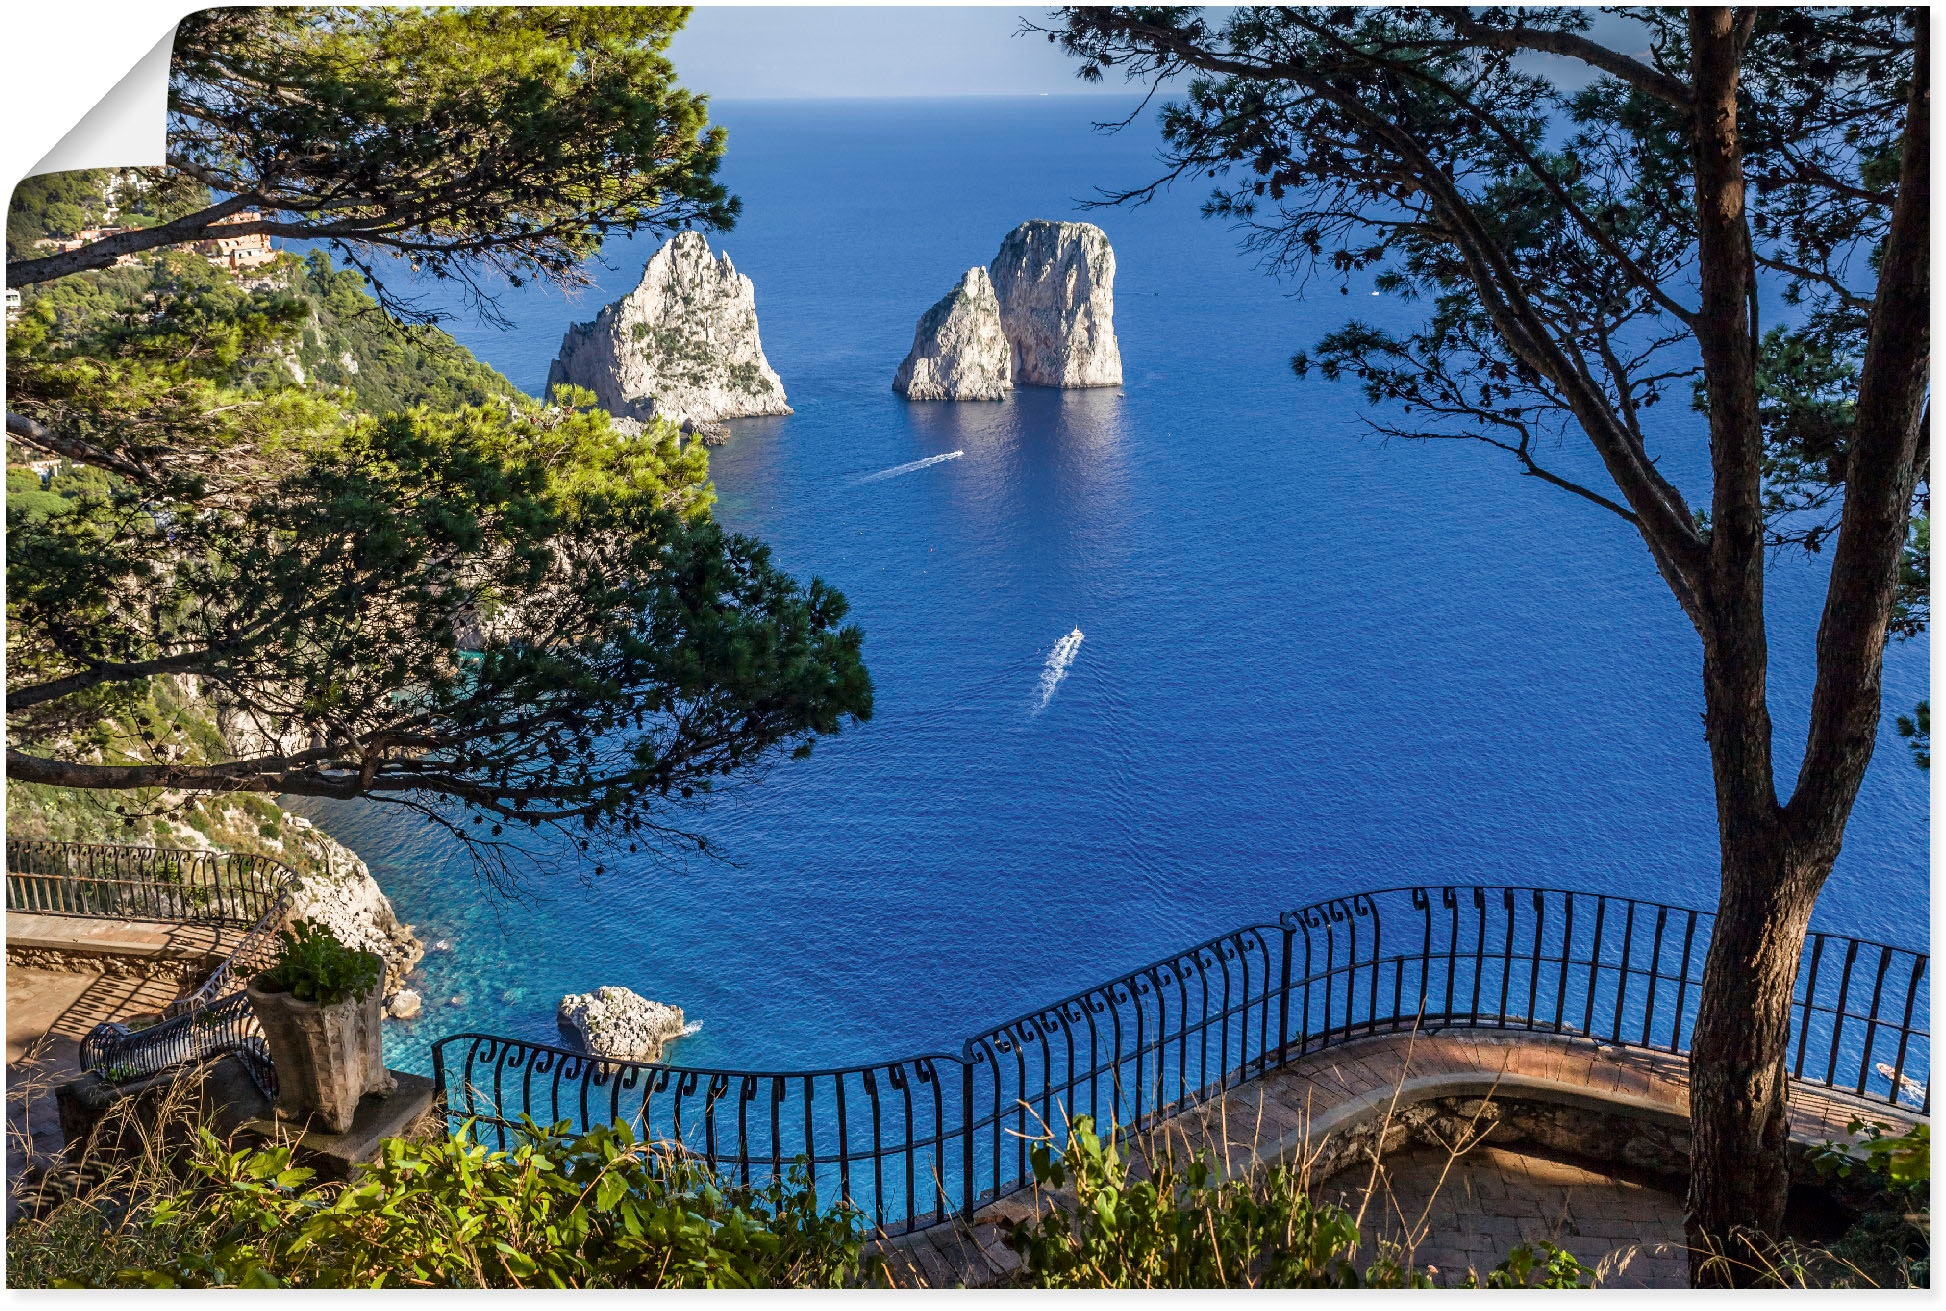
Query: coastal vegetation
[1178,1222]
[1583,249]
[606,1209]
[57,206]
[593,1210]
[381,569]
[346,343]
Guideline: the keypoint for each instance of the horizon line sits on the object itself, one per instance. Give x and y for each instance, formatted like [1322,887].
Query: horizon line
[947,95]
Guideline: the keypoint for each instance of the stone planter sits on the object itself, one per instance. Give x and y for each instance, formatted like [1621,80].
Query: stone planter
[327,1057]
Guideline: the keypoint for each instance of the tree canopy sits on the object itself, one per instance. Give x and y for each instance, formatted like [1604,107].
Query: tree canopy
[507,605]
[468,143]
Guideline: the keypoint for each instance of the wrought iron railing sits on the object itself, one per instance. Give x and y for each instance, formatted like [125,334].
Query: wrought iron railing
[144,883]
[912,1142]
[226,1026]
[255,952]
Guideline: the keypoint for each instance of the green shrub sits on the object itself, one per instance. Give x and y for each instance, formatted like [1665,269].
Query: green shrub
[1890,1243]
[1183,1226]
[1897,1165]
[312,965]
[590,1211]
[1536,1266]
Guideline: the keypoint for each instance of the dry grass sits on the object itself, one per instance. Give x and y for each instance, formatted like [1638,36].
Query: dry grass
[79,1216]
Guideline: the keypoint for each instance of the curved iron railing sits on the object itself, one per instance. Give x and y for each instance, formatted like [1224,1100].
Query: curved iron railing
[226,1026]
[255,951]
[214,1020]
[101,880]
[912,1142]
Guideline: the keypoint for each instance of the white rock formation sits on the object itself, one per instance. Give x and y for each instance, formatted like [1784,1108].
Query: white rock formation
[348,899]
[682,345]
[620,1024]
[1056,287]
[405,1004]
[959,351]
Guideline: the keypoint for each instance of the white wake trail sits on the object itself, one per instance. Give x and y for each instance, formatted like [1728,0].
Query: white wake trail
[1056,667]
[898,469]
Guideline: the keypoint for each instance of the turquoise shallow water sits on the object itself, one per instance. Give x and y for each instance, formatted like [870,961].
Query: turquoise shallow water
[1312,661]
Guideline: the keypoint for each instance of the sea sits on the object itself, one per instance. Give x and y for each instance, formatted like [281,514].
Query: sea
[1151,662]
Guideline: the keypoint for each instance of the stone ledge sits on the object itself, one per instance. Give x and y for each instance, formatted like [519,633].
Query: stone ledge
[225,1099]
[338,1155]
[85,936]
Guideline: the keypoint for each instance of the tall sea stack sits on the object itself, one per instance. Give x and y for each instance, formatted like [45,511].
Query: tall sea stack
[1056,286]
[682,346]
[1047,301]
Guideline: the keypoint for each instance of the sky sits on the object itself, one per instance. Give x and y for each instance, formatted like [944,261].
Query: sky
[737,52]
[816,52]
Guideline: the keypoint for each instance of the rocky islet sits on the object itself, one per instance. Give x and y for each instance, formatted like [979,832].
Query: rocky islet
[960,352]
[620,1024]
[682,346]
[1041,314]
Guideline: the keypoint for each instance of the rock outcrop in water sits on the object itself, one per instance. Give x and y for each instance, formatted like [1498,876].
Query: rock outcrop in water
[1056,287]
[620,1024]
[1041,314]
[683,345]
[959,351]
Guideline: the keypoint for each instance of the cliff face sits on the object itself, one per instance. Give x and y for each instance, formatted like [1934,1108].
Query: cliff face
[338,890]
[959,350]
[1056,287]
[334,886]
[683,345]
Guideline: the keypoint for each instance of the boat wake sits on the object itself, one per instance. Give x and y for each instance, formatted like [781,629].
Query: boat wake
[898,469]
[1056,667]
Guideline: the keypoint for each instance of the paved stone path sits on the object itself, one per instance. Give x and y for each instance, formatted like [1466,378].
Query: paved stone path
[1288,1113]
[119,969]
[1455,1215]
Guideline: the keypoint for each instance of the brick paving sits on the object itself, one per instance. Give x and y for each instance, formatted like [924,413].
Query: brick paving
[1289,1113]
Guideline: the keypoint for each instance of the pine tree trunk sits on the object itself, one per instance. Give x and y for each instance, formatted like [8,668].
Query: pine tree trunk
[1739,1084]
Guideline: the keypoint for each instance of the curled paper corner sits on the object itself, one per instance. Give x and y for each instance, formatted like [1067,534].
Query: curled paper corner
[128,127]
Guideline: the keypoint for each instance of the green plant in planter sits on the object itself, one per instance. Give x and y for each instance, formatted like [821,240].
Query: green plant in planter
[313,966]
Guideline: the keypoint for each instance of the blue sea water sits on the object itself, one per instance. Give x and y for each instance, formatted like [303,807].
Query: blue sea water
[1313,661]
